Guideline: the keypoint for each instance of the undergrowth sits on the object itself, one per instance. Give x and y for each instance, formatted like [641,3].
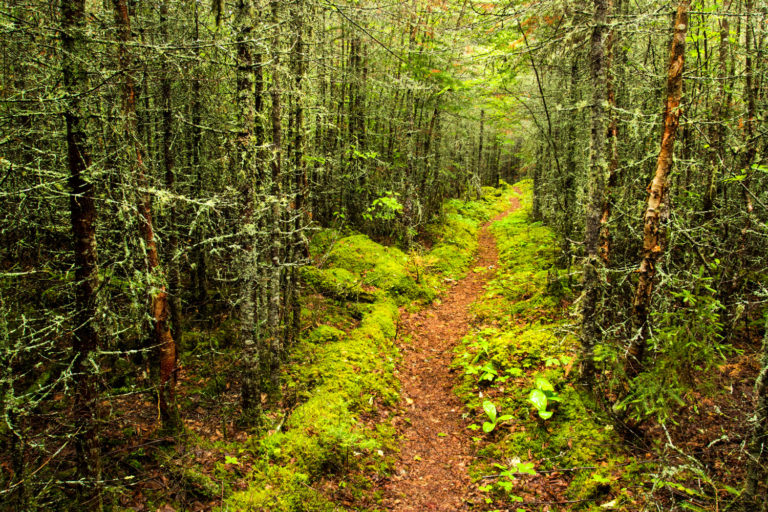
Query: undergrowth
[552,450]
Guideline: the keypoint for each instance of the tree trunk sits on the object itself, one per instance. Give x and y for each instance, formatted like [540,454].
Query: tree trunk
[83,220]
[174,278]
[757,475]
[717,130]
[162,340]
[658,192]
[251,388]
[590,329]
[273,317]
[613,138]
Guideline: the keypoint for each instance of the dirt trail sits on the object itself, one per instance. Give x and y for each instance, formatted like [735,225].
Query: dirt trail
[431,472]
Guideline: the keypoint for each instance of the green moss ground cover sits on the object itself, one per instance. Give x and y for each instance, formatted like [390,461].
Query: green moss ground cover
[521,344]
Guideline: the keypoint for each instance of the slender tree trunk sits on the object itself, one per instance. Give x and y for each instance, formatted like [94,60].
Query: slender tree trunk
[717,131]
[82,209]
[162,340]
[251,388]
[199,255]
[300,247]
[174,278]
[569,180]
[658,191]
[479,165]
[613,138]
[590,328]
[757,474]
[273,318]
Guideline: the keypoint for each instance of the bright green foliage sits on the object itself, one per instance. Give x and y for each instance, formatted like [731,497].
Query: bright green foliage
[541,395]
[383,267]
[324,334]
[279,488]
[336,282]
[688,337]
[490,410]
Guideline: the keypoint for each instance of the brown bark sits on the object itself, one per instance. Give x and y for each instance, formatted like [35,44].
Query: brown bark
[83,220]
[174,279]
[300,248]
[653,242]
[162,340]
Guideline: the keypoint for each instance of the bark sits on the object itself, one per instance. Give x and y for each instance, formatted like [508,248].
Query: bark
[300,247]
[749,133]
[174,279]
[273,317]
[479,165]
[569,179]
[758,444]
[717,131]
[653,242]
[162,340]
[83,221]
[613,150]
[199,255]
[590,330]
[246,99]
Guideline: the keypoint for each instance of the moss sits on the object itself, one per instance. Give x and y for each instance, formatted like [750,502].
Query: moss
[385,268]
[277,488]
[324,334]
[337,283]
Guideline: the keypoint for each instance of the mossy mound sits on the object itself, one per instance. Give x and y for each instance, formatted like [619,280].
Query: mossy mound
[324,435]
[386,268]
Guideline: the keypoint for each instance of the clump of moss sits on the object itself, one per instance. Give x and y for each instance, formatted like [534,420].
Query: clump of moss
[324,334]
[337,283]
[375,265]
[276,488]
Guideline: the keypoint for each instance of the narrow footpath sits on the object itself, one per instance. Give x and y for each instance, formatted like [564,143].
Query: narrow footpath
[431,472]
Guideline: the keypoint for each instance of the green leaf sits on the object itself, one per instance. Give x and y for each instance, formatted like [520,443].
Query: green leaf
[505,417]
[543,384]
[545,415]
[231,460]
[526,468]
[488,427]
[490,409]
[538,399]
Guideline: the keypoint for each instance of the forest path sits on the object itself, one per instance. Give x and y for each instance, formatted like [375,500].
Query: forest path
[431,471]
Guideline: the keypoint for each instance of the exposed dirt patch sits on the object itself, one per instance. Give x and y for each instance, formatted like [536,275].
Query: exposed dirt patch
[431,472]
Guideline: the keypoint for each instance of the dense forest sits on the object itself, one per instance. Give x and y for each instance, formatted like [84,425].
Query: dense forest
[316,255]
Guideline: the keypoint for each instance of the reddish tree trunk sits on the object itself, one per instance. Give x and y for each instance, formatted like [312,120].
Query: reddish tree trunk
[160,308]
[653,243]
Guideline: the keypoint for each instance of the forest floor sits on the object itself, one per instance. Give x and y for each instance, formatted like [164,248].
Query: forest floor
[431,471]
